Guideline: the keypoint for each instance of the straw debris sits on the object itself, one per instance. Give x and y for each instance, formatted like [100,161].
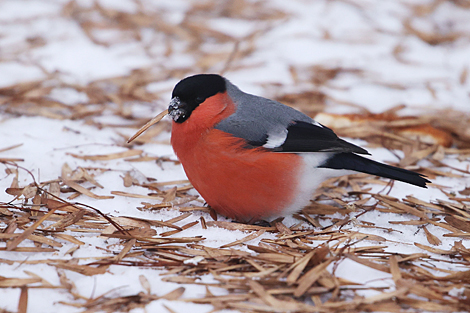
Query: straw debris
[273,267]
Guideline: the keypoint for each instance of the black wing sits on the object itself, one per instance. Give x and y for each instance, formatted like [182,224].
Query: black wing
[307,137]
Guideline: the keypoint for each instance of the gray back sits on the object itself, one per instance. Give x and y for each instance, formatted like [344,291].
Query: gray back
[256,117]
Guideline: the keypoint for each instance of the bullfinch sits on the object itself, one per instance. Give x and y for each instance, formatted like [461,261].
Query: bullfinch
[252,158]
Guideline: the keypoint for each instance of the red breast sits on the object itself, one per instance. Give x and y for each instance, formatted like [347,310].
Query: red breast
[238,182]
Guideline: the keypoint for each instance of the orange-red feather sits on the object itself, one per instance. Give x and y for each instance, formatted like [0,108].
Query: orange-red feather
[238,182]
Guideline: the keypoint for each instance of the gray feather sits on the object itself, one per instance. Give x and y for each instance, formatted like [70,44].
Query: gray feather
[256,116]
[279,128]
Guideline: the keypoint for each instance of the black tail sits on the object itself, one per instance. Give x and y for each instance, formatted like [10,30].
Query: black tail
[351,161]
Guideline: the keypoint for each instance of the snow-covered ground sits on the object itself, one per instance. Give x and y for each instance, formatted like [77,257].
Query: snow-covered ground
[266,48]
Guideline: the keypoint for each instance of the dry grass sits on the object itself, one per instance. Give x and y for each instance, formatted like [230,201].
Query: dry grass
[285,274]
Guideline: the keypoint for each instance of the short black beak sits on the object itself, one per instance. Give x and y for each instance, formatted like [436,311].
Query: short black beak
[176,111]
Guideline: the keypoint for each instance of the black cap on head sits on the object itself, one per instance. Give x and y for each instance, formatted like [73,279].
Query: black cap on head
[193,91]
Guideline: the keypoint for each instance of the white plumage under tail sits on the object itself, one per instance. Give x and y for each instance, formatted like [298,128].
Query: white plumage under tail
[311,178]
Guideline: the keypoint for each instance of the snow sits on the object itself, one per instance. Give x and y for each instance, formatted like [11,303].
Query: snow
[355,34]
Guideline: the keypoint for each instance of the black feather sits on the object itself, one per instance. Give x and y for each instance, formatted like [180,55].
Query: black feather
[350,161]
[194,90]
[307,137]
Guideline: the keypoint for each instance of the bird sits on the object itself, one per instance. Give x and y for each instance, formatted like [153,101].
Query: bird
[254,159]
